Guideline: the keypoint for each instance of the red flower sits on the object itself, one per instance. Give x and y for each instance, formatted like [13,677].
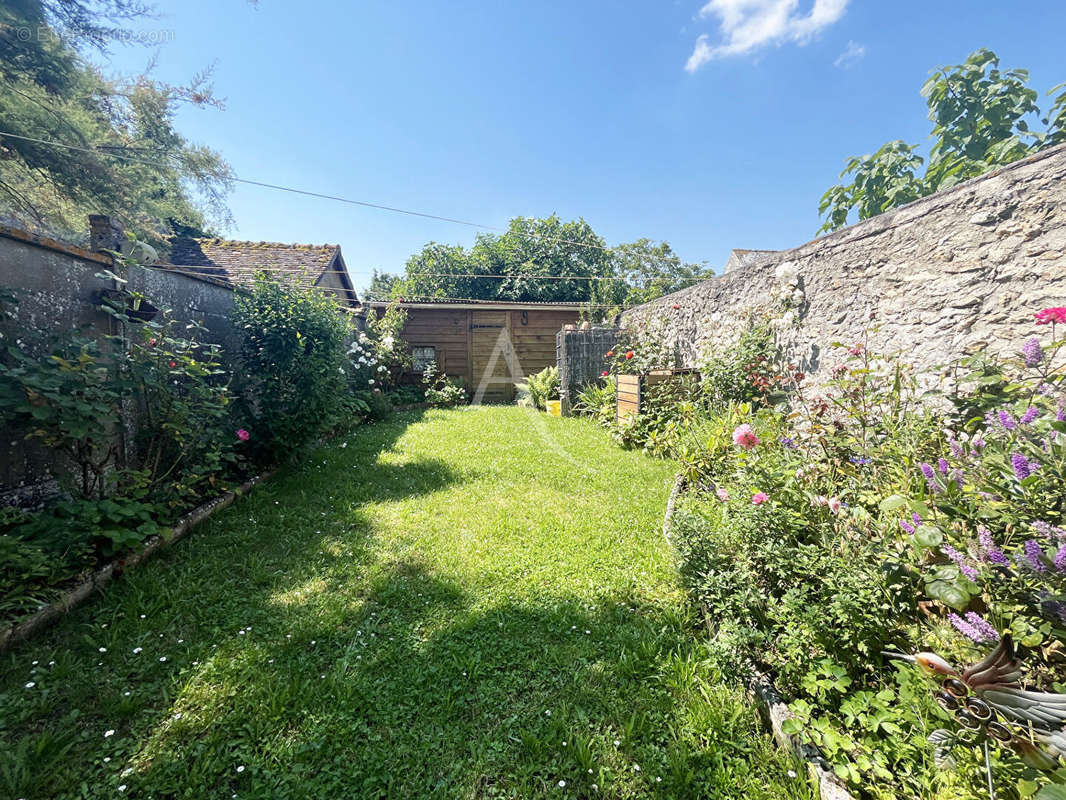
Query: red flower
[1057,314]
[610,354]
[172,364]
[152,342]
[605,373]
[676,306]
[629,354]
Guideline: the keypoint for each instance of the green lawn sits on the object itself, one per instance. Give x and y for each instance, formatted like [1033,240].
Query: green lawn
[466,603]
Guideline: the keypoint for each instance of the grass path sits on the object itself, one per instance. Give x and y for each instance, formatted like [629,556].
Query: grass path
[467,603]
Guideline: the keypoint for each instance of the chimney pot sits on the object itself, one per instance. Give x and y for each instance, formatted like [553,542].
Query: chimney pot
[105,233]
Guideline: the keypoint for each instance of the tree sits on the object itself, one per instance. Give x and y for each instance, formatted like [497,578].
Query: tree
[981,120]
[130,161]
[542,260]
[381,285]
[648,270]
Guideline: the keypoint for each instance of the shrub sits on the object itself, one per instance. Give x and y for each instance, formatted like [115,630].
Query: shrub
[860,518]
[73,394]
[440,390]
[543,386]
[746,373]
[292,364]
[377,356]
[597,400]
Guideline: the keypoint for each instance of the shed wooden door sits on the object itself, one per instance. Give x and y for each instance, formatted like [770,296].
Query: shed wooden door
[491,351]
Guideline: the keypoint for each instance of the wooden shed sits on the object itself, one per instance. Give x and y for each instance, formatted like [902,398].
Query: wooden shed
[489,345]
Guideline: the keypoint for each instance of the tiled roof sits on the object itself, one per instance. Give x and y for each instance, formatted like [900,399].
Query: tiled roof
[240,262]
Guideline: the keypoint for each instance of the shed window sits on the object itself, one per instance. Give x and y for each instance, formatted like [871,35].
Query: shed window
[422,357]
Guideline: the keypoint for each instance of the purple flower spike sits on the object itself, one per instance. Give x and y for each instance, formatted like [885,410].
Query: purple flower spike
[1006,420]
[1034,555]
[989,551]
[942,465]
[1020,464]
[965,628]
[1048,530]
[956,448]
[1032,352]
[1060,559]
[960,562]
[930,477]
[906,526]
[1030,414]
[982,626]
[916,517]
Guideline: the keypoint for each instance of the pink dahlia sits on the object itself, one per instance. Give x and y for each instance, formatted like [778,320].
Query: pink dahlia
[1056,314]
[745,437]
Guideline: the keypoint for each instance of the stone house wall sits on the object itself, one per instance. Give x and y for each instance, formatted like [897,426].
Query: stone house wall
[956,273]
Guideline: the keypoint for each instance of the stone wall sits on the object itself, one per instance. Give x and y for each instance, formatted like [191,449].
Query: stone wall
[57,292]
[955,273]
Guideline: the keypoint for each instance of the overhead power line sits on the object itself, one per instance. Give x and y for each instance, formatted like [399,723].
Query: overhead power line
[308,193]
[203,270]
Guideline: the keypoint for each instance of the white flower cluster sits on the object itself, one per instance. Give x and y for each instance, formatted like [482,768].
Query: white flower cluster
[363,356]
[787,293]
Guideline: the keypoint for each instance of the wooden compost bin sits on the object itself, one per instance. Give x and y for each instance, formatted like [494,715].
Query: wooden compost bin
[632,391]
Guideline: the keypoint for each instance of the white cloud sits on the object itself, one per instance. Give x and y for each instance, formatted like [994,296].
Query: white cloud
[854,53]
[749,24]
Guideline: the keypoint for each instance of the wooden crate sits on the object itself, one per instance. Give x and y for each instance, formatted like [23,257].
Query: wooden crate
[631,390]
[627,397]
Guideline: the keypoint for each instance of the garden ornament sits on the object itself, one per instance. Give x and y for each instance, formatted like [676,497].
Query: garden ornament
[988,700]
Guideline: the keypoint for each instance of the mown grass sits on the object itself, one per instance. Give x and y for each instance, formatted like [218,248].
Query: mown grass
[466,603]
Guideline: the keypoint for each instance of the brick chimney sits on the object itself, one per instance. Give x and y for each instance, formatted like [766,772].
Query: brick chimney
[105,233]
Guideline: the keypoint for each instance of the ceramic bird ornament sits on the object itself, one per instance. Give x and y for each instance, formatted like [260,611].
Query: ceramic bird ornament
[988,698]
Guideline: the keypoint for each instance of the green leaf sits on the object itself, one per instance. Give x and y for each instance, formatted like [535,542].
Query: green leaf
[949,594]
[892,502]
[1053,791]
[928,536]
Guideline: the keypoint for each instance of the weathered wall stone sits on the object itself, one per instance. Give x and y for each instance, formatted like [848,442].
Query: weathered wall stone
[959,272]
[58,292]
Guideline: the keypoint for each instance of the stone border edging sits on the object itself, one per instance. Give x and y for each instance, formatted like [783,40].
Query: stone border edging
[680,482]
[74,597]
[773,708]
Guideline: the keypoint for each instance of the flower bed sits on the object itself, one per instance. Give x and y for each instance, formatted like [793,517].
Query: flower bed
[155,420]
[884,512]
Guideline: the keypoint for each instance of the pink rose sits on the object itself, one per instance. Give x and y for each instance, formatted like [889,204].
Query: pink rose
[745,437]
[723,495]
[243,435]
[759,498]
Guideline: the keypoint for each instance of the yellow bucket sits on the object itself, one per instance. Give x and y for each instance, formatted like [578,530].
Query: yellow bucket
[555,407]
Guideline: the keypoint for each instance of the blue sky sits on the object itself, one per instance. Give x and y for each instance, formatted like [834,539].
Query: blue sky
[710,125]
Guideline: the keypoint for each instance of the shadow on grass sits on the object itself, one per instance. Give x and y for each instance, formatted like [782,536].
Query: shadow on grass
[411,692]
[274,655]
